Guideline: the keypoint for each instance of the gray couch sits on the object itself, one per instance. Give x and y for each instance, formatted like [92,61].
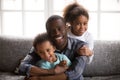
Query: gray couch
[105,65]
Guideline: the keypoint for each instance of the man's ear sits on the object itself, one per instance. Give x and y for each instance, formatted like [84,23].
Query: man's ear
[67,28]
[67,25]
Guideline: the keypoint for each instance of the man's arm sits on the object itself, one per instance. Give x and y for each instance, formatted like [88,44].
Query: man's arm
[78,64]
[76,69]
[36,71]
[61,76]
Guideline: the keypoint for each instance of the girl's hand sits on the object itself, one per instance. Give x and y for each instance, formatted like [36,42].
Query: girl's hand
[84,51]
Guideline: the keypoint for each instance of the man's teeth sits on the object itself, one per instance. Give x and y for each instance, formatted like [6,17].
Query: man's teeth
[59,38]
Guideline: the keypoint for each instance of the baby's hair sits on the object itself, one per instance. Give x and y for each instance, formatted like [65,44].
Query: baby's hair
[40,38]
[72,11]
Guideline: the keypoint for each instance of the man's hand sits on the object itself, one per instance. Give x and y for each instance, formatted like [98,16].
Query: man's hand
[60,68]
[36,71]
[84,51]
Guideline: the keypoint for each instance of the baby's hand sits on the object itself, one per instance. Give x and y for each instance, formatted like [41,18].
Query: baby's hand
[61,67]
[63,63]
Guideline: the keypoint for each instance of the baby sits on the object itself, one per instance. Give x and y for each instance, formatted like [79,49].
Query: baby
[46,50]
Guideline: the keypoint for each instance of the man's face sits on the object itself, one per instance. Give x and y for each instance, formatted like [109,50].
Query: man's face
[58,33]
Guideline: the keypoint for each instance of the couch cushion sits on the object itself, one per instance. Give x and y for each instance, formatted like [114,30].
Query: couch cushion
[106,60]
[113,77]
[12,50]
[10,76]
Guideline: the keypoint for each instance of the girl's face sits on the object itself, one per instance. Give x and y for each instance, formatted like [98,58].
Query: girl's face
[80,25]
[46,51]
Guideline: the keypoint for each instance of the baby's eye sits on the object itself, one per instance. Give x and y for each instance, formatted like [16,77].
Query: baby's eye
[48,50]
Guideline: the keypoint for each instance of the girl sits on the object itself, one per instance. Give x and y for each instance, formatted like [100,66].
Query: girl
[77,18]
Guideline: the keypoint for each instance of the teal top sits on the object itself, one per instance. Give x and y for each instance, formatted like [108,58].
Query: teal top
[47,65]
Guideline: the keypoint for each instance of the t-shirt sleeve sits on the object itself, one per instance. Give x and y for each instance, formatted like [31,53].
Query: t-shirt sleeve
[43,64]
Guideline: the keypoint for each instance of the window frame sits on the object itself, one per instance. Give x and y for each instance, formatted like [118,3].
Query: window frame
[48,11]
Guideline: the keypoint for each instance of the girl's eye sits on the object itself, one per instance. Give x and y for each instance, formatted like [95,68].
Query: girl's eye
[85,23]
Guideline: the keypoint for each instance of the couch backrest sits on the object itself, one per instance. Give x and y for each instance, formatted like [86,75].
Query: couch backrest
[12,50]
[106,59]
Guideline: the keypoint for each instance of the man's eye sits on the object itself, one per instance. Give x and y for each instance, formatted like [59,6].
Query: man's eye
[78,24]
[40,52]
[59,29]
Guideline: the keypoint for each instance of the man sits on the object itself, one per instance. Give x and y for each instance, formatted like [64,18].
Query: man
[74,49]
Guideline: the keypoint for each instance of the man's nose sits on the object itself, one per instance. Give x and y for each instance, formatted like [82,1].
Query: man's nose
[57,32]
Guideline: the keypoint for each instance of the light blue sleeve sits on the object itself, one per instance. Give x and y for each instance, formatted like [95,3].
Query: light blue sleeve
[43,64]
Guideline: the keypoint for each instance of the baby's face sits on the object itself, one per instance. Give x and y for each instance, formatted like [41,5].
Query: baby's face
[46,51]
[80,25]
